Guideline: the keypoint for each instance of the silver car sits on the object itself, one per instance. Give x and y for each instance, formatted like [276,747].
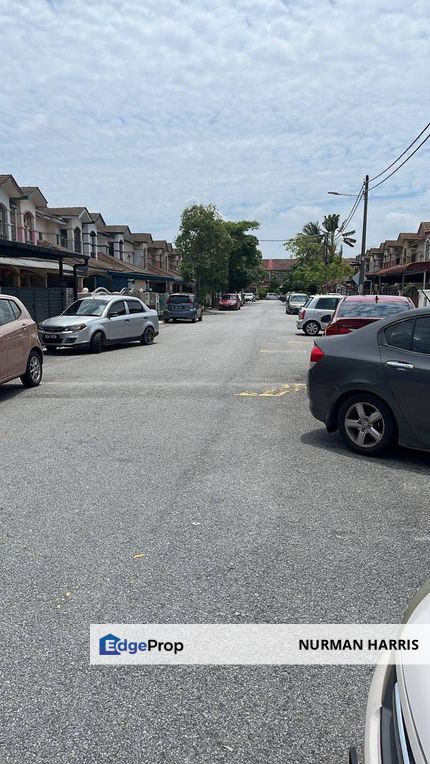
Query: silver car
[295,301]
[311,314]
[98,320]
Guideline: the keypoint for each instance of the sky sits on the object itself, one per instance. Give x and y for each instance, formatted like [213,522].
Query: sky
[138,108]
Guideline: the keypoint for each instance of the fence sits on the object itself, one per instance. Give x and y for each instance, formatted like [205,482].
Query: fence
[42,302]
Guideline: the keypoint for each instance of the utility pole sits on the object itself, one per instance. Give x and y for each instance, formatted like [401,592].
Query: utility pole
[363,237]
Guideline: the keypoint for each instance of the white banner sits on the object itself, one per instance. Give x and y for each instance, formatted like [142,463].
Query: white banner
[258,644]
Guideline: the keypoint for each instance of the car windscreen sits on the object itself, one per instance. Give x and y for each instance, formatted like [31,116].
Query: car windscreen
[371,309]
[298,297]
[86,307]
[178,299]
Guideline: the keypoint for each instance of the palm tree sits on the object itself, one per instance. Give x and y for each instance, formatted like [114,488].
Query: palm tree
[312,229]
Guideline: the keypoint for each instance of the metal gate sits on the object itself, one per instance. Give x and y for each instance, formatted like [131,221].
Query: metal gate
[41,302]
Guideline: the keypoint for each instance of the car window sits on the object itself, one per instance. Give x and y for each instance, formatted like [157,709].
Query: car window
[298,297]
[118,308]
[364,309]
[178,299]
[135,307]
[15,309]
[6,312]
[421,339]
[86,307]
[400,335]
[327,303]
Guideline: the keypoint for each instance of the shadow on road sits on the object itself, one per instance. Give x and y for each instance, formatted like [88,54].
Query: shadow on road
[11,389]
[398,458]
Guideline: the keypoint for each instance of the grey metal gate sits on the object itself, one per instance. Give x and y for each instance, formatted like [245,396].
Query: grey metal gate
[40,302]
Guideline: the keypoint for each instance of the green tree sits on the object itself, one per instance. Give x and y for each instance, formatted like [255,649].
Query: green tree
[205,244]
[320,265]
[245,258]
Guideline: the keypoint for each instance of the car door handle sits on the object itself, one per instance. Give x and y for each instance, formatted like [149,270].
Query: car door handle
[400,365]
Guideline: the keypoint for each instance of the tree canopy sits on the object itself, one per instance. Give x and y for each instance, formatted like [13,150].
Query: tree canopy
[217,254]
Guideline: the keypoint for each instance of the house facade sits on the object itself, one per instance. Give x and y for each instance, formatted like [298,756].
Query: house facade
[401,265]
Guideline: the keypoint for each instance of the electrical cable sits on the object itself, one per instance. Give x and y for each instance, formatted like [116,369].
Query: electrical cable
[401,155]
[400,165]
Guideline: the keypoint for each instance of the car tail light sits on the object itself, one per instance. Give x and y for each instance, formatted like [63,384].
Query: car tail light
[344,330]
[331,329]
[316,354]
[302,314]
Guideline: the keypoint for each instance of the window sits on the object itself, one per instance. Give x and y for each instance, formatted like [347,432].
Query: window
[93,244]
[63,237]
[179,299]
[135,307]
[77,239]
[111,250]
[327,303]
[16,310]
[86,307]
[427,255]
[6,312]
[3,222]
[400,335]
[28,227]
[371,309]
[118,308]
[121,250]
[421,341]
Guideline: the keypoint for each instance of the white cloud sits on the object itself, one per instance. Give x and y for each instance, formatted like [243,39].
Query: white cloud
[260,106]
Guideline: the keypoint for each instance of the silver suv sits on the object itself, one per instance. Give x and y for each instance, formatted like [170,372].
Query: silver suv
[99,319]
[317,307]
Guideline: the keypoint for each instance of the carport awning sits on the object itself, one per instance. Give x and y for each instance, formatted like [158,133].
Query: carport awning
[46,265]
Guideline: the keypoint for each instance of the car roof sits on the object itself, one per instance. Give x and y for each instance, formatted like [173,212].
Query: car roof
[376,298]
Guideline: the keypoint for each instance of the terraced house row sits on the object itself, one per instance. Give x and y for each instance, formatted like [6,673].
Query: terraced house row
[402,264]
[48,254]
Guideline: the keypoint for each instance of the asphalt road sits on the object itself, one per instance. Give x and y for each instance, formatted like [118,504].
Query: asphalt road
[126,453]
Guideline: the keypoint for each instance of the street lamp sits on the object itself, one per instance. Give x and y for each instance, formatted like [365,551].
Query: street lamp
[364,230]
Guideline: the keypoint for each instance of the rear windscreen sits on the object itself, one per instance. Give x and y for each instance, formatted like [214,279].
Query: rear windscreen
[228,297]
[180,299]
[298,298]
[371,309]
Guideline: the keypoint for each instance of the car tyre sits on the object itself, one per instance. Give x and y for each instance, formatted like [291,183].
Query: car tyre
[201,317]
[166,320]
[194,319]
[312,328]
[148,335]
[96,343]
[366,424]
[33,373]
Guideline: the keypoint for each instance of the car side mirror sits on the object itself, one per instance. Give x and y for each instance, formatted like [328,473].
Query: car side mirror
[113,315]
[325,319]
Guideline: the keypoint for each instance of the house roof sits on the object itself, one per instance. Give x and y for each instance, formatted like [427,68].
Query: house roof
[146,237]
[282,264]
[114,229]
[97,215]
[9,178]
[29,190]
[64,211]
[159,243]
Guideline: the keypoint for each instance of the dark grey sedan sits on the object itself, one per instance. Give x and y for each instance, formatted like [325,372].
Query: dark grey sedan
[373,385]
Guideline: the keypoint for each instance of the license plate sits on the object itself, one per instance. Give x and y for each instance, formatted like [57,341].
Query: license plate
[50,336]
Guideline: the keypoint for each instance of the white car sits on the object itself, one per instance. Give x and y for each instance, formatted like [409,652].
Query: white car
[398,708]
[249,297]
[99,319]
[272,296]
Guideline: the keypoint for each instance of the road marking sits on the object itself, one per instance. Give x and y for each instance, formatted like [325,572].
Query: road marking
[275,392]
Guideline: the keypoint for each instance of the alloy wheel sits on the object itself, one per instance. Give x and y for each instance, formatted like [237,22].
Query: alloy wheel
[364,424]
[35,369]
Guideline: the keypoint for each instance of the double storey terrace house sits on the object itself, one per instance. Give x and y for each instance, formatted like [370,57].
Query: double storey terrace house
[405,264]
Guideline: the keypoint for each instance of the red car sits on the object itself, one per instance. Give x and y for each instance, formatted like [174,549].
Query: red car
[356,311]
[229,301]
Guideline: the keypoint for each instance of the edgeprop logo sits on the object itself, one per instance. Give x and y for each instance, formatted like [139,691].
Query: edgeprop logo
[110,644]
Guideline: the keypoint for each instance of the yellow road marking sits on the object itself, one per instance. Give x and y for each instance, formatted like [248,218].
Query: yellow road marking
[275,392]
[138,556]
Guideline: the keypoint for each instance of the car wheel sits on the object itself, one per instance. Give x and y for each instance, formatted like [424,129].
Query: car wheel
[366,424]
[194,319]
[312,328]
[51,350]
[201,317]
[166,320]
[33,372]
[96,343]
[147,337]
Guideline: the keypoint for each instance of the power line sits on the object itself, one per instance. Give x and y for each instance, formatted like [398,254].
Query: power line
[400,165]
[401,155]
[352,212]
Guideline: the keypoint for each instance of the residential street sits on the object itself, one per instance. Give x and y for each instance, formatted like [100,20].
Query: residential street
[245,510]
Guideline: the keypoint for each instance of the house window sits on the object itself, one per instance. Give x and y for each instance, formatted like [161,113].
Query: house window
[93,244]
[427,255]
[121,250]
[111,249]
[13,222]
[3,222]
[77,239]
[63,237]
[28,227]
